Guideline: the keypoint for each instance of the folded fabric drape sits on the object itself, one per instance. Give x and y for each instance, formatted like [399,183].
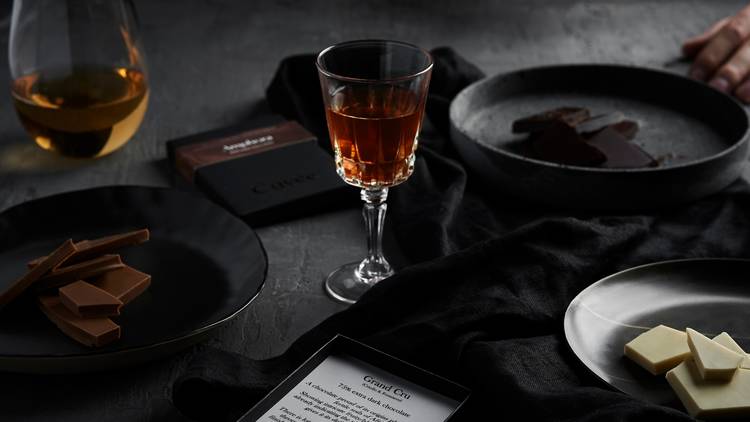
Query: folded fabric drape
[483,300]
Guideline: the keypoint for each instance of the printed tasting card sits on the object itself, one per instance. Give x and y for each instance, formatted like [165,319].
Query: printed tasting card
[344,388]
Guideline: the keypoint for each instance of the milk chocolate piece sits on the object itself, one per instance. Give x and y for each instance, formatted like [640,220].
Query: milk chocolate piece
[125,283]
[34,274]
[92,332]
[82,270]
[619,152]
[87,249]
[561,144]
[538,122]
[599,122]
[88,301]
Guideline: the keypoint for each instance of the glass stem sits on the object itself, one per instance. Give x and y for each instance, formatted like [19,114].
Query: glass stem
[375,267]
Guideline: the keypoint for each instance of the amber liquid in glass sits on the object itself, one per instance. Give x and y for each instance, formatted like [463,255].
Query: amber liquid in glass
[88,113]
[374,134]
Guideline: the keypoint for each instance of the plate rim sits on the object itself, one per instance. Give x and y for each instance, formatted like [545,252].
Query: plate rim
[610,67]
[568,311]
[167,342]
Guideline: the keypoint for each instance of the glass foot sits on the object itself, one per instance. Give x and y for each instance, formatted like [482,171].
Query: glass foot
[345,284]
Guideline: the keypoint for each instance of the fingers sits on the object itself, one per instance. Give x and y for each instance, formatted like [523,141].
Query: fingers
[692,46]
[721,47]
[736,69]
[743,92]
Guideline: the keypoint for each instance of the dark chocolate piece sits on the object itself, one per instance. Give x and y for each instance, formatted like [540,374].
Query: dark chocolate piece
[82,270]
[125,283]
[619,152]
[34,274]
[626,128]
[88,301]
[599,122]
[561,144]
[538,122]
[87,249]
[92,332]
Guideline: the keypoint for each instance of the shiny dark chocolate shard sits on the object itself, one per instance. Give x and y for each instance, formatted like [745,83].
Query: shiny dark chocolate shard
[571,116]
[560,143]
[619,152]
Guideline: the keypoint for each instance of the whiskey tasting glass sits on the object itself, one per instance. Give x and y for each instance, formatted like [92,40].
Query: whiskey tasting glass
[79,82]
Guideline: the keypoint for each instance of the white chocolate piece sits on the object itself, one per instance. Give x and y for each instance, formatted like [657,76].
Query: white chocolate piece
[659,349]
[727,341]
[710,399]
[714,361]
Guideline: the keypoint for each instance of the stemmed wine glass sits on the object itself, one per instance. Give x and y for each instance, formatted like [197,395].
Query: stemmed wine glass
[374,93]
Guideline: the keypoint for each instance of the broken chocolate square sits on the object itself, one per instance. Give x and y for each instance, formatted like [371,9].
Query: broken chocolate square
[619,152]
[125,283]
[538,122]
[92,332]
[81,270]
[87,249]
[599,122]
[560,143]
[34,274]
[88,301]
[626,128]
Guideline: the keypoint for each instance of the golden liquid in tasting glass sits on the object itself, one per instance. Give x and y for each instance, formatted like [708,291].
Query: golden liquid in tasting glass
[374,134]
[88,113]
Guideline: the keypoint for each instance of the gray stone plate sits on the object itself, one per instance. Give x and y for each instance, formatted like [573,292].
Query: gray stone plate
[709,295]
[699,134]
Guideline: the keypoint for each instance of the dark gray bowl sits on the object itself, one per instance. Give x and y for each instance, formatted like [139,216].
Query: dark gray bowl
[699,134]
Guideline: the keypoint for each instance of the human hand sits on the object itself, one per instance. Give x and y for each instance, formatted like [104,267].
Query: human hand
[721,55]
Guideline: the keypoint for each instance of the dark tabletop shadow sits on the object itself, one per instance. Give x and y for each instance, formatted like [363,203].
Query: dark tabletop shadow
[20,156]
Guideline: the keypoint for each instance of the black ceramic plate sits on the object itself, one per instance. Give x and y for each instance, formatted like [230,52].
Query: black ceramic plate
[709,295]
[700,134]
[206,266]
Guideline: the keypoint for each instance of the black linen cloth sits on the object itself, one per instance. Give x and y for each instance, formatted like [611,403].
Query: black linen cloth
[484,301]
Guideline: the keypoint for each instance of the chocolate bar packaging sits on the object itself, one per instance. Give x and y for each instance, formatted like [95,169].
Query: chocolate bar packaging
[263,171]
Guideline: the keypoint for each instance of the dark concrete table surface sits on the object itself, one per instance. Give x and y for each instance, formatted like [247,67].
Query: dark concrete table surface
[210,62]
